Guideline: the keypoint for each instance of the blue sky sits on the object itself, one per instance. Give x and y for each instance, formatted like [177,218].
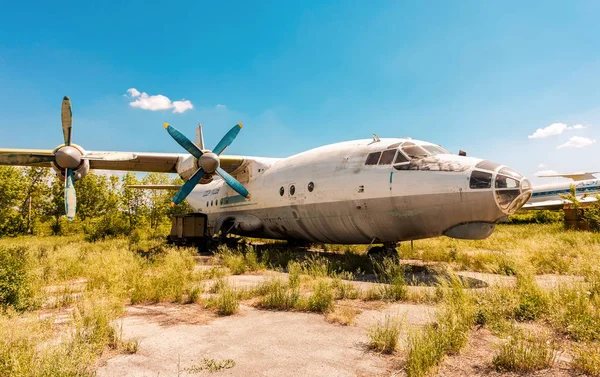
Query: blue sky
[471,75]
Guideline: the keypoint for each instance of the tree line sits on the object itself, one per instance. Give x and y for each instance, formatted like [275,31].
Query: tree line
[32,202]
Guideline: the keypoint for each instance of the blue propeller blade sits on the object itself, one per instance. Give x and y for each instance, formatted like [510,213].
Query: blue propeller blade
[233,183]
[182,140]
[187,187]
[227,139]
[70,197]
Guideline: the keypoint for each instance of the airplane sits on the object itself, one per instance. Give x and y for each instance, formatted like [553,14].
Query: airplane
[370,191]
[587,186]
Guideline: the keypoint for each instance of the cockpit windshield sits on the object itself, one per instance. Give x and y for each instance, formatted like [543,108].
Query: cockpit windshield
[415,151]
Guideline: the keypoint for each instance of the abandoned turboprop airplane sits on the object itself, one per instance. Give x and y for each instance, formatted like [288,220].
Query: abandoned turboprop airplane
[354,192]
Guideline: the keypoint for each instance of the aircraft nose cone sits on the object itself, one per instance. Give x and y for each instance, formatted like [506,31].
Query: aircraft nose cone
[68,157]
[209,162]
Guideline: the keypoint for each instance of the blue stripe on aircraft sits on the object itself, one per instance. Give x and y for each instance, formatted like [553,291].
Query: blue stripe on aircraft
[565,191]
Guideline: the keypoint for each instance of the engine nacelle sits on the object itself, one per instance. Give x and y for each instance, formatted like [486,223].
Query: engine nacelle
[78,173]
[186,167]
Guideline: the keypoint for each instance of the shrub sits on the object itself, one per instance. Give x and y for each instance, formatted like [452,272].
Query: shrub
[16,282]
[277,296]
[383,336]
[227,301]
[321,299]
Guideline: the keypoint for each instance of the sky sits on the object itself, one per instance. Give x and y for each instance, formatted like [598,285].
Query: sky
[514,82]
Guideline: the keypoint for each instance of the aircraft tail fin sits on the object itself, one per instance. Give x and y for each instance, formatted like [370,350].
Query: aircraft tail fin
[199,138]
[574,176]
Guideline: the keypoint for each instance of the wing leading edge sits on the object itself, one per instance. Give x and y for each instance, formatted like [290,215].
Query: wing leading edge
[127,161]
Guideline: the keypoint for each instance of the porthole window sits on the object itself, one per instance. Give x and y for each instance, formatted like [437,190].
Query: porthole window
[281,191]
[311,187]
[207,204]
[292,190]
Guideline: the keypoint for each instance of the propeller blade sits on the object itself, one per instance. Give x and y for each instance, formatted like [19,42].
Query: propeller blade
[23,159]
[227,139]
[110,156]
[70,197]
[233,183]
[182,140]
[187,187]
[67,120]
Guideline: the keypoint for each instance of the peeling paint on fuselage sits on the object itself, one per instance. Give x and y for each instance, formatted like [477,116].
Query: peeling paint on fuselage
[351,202]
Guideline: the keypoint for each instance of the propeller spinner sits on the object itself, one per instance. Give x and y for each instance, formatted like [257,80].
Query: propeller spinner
[208,162]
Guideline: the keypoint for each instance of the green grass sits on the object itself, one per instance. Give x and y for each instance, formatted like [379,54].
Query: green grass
[276,295]
[447,335]
[227,301]
[586,359]
[321,299]
[383,335]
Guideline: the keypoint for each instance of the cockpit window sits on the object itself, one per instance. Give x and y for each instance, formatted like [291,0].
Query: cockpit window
[387,157]
[400,158]
[414,151]
[503,181]
[434,149]
[510,173]
[373,158]
[480,180]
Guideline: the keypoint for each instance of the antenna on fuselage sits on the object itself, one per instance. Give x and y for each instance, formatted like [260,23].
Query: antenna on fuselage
[199,138]
[376,138]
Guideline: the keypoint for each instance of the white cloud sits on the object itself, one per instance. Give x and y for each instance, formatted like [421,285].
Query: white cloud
[182,106]
[220,107]
[541,166]
[545,172]
[133,92]
[553,130]
[157,102]
[577,142]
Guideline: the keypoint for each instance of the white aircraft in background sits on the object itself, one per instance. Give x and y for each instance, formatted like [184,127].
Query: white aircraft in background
[355,192]
[549,196]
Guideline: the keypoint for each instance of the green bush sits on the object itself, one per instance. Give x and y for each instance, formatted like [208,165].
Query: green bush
[16,282]
[592,216]
[536,217]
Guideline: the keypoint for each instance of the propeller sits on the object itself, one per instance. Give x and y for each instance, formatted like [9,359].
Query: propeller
[68,158]
[208,162]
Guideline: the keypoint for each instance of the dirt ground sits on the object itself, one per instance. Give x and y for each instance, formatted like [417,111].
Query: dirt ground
[174,338]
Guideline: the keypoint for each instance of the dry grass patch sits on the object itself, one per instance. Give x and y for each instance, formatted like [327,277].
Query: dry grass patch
[343,315]
[526,352]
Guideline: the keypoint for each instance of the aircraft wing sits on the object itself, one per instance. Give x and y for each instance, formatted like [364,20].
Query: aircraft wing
[127,161]
[556,203]
[574,176]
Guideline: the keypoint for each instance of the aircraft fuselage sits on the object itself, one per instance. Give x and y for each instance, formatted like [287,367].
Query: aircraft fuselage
[343,193]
